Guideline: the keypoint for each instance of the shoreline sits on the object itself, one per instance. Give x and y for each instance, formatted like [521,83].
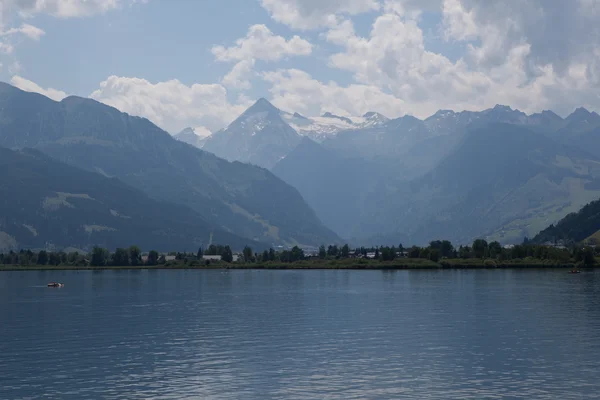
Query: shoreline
[292,267]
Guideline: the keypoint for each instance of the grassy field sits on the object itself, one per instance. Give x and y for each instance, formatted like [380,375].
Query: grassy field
[348,264]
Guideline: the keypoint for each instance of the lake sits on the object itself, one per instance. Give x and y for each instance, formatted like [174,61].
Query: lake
[190,334]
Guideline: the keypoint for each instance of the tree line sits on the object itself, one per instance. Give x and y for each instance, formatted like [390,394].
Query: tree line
[436,251]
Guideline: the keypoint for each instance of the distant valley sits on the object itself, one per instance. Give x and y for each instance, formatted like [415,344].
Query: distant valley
[278,178]
[498,173]
[55,205]
[234,198]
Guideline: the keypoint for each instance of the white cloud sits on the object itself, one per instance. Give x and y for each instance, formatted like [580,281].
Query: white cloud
[172,105]
[459,23]
[559,32]
[6,48]
[394,59]
[557,41]
[296,91]
[311,14]
[202,132]
[29,86]
[261,44]
[12,11]
[30,31]
[530,54]
[63,8]
[512,56]
[240,74]
[410,8]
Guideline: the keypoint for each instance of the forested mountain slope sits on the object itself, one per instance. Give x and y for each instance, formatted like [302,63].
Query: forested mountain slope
[46,202]
[239,198]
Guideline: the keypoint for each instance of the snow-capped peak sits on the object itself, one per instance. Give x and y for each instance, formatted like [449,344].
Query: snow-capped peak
[262,105]
[330,115]
[329,124]
[196,137]
[373,118]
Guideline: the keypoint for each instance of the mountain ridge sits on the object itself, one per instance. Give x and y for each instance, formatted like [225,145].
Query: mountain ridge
[53,202]
[259,136]
[503,194]
[99,138]
[576,227]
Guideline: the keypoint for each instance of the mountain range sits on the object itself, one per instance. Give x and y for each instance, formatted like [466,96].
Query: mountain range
[49,203]
[260,136]
[232,197]
[274,177]
[497,173]
[263,135]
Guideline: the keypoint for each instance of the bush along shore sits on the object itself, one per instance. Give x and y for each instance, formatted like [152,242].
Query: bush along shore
[439,254]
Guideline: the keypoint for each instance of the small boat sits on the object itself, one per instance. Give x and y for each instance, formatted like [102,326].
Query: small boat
[56,284]
[575,272]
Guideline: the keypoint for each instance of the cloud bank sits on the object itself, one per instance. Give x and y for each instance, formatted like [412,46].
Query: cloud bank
[529,54]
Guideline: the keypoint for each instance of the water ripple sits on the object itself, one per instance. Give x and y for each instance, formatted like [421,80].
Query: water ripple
[300,335]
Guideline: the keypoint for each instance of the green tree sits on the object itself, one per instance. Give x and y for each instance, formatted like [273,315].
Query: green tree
[414,252]
[384,253]
[248,254]
[153,257]
[212,250]
[120,257]
[436,244]
[495,249]
[162,260]
[446,249]
[345,251]
[518,252]
[135,255]
[297,254]
[100,257]
[227,254]
[272,255]
[42,258]
[480,247]
[322,252]
[434,255]
[199,254]
[332,251]
[464,252]
[388,253]
[285,256]
[586,256]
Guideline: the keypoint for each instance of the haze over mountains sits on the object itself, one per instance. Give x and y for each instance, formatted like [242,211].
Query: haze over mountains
[498,174]
[47,202]
[243,200]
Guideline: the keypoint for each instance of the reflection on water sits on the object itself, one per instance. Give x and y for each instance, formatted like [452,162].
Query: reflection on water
[300,335]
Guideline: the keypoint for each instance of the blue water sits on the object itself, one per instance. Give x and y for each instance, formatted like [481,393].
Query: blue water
[300,335]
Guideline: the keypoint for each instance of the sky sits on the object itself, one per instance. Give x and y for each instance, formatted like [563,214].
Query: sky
[201,63]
